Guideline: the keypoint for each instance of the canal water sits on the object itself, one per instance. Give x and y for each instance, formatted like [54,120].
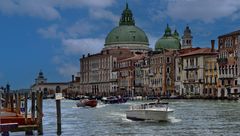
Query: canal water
[190,118]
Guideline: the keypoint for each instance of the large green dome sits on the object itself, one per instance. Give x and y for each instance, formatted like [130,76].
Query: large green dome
[129,34]
[168,41]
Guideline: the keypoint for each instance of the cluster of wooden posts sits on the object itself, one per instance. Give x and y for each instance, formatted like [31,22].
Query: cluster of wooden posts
[17,116]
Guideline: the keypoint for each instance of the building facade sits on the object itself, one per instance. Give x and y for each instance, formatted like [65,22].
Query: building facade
[195,72]
[96,72]
[48,88]
[227,61]
[126,75]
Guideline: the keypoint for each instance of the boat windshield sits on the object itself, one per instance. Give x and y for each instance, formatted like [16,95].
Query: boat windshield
[150,106]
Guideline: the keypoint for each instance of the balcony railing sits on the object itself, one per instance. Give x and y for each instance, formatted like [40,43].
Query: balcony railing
[227,76]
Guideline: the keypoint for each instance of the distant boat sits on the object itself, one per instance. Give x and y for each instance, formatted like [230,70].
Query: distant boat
[150,111]
[113,100]
[87,102]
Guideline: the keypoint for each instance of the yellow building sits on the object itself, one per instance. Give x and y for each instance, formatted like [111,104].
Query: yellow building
[211,76]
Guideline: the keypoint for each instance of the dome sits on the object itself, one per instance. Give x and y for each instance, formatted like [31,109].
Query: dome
[168,41]
[127,34]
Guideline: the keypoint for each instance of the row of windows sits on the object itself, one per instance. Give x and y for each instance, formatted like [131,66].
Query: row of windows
[155,60]
[159,81]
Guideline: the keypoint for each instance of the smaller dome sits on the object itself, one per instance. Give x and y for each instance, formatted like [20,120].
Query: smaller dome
[168,41]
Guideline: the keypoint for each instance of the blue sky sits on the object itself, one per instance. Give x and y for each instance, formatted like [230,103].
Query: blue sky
[51,35]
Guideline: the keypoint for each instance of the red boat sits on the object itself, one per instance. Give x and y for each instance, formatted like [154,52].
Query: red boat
[87,102]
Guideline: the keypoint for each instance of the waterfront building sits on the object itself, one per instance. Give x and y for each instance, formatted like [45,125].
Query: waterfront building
[48,88]
[96,72]
[211,74]
[141,76]
[125,69]
[179,87]
[162,66]
[127,35]
[227,61]
[162,73]
[73,87]
[193,70]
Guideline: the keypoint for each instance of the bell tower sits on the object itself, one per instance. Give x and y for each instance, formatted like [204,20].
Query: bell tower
[40,79]
[187,38]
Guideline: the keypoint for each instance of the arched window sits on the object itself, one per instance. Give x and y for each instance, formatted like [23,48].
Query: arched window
[168,81]
[168,69]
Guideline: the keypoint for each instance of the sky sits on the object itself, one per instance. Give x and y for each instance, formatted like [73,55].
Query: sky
[52,35]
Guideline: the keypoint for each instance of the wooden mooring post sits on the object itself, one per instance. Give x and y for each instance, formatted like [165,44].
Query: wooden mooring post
[39,111]
[58,106]
[25,107]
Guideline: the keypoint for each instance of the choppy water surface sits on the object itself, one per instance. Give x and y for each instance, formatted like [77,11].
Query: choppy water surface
[190,118]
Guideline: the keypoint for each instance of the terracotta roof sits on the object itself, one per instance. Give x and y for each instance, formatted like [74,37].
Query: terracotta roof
[199,51]
[231,33]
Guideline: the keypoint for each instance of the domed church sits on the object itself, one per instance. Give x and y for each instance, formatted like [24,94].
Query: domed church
[127,35]
[169,41]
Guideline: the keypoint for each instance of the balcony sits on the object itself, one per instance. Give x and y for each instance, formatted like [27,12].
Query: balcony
[227,76]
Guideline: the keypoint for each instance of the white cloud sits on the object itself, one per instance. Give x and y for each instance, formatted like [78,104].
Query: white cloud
[40,8]
[79,28]
[49,9]
[103,14]
[78,46]
[67,69]
[85,3]
[65,66]
[207,11]
[51,32]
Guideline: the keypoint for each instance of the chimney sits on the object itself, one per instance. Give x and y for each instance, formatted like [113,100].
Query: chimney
[72,78]
[212,42]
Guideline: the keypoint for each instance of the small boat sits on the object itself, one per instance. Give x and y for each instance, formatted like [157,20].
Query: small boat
[113,100]
[157,111]
[87,102]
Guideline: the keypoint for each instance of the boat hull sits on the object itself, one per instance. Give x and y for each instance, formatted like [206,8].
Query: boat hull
[89,103]
[147,115]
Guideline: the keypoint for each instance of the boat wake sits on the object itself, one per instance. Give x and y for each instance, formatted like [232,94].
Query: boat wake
[101,105]
[121,116]
[174,120]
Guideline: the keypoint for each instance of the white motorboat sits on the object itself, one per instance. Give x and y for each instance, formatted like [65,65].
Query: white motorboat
[149,111]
